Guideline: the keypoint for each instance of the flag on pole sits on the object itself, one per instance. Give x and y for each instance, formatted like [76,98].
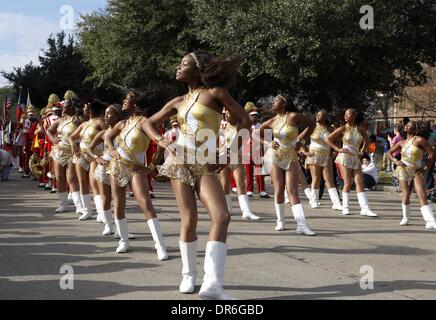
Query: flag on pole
[4,121]
[20,108]
[28,99]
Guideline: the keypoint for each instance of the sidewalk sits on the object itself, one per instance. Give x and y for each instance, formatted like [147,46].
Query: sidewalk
[261,264]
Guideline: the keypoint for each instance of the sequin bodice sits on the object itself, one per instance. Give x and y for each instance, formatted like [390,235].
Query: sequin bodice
[411,155]
[65,130]
[285,134]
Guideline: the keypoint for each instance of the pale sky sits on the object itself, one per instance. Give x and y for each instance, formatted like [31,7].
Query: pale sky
[25,26]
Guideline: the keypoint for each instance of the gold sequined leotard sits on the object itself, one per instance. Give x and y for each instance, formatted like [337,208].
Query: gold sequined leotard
[199,126]
[132,147]
[411,156]
[319,147]
[100,171]
[87,134]
[229,145]
[61,152]
[351,140]
[286,136]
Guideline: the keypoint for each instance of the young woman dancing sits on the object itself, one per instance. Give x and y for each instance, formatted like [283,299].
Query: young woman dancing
[62,156]
[229,134]
[410,173]
[127,164]
[113,115]
[285,166]
[200,111]
[319,160]
[354,144]
[85,165]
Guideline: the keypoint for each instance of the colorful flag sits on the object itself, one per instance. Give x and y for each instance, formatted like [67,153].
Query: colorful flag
[6,108]
[28,99]
[20,108]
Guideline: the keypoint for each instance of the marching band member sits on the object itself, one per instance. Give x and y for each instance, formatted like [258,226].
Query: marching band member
[54,112]
[127,164]
[113,115]
[285,166]
[85,165]
[199,112]
[320,162]
[353,137]
[62,155]
[229,135]
[251,169]
[409,171]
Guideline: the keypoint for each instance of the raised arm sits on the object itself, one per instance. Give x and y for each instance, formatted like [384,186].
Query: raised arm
[152,125]
[307,123]
[237,113]
[259,134]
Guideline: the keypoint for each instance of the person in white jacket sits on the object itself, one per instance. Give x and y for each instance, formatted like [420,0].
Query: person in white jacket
[370,173]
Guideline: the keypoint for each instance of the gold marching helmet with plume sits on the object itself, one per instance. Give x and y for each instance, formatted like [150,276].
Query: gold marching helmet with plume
[71,95]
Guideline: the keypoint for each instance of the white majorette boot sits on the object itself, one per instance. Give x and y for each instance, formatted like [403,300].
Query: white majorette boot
[108,223]
[308,193]
[245,208]
[315,198]
[406,214]
[87,207]
[70,197]
[117,236]
[345,203]
[364,206]
[77,200]
[334,196]
[427,214]
[154,226]
[188,252]
[280,213]
[302,227]
[123,244]
[229,203]
[98,200]
[63,202]
[214,264]
[286,198]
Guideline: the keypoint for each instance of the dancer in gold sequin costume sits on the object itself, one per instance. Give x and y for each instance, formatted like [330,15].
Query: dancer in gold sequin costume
[99,151]
[228,137]
[354,144]
[410,172]
[208,78]
[285,166]
[84,164]
[319,161]
[62,155]
[129,164]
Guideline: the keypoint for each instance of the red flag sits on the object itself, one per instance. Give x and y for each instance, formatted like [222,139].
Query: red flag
[20,108]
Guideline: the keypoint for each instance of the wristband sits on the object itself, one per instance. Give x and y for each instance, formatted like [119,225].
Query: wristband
[158,138]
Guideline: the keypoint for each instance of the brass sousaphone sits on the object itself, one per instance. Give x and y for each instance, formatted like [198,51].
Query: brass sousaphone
[37,165]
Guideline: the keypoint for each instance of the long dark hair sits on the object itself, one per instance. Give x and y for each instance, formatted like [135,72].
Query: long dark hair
[97,107]
[149,103]
[216,71]
[421,129]
[288,103]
